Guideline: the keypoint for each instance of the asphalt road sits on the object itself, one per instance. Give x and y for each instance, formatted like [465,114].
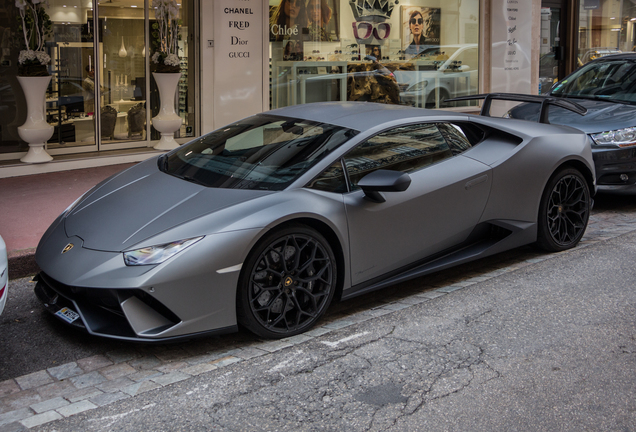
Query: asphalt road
[549,346]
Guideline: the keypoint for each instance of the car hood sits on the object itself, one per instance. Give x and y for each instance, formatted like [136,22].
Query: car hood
[142,202]
[601,116]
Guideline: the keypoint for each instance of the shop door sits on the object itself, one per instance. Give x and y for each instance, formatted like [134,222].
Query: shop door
[552,47]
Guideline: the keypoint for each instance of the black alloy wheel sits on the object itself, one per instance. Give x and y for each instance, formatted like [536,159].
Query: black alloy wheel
[564,211]
[286,283]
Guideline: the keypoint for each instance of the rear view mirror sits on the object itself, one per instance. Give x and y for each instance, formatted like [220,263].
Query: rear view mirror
[383,181]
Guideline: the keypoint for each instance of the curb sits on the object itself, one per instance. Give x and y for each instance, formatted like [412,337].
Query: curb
[22,263]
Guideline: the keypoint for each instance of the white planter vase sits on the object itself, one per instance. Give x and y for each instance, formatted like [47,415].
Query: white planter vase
[167,121]
[35,131]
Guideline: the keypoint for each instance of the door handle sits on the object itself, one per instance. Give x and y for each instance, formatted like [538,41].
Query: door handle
[476,181]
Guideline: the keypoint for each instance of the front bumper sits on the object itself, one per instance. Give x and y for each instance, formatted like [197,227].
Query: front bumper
[125,314]
[613,163]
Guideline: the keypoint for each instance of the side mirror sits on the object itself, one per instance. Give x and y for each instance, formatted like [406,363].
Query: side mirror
[383,181]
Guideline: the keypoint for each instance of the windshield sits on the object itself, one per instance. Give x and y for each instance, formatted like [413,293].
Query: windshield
[613,80]
[262,152]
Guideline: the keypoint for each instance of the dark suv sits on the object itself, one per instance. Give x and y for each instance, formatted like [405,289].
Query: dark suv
[606,87]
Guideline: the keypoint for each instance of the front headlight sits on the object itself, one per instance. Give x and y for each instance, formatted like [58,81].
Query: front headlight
[157,254]
[617,138]
[419,86]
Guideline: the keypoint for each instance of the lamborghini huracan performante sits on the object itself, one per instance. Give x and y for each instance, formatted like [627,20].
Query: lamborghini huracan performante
[263,223]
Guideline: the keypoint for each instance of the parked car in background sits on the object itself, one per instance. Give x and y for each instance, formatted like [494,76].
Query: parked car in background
[264,222]
[606,87]
[439,73]
[595,53]
[4,274]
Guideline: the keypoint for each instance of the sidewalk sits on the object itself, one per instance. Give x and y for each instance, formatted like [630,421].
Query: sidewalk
[29,204]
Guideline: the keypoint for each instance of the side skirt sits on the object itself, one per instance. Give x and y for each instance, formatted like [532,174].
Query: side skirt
[487,239]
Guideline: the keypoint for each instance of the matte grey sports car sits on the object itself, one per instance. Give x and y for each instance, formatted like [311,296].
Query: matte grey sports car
[264,222]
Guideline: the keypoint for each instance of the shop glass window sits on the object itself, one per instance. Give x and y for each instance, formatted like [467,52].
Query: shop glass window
[416,54]
[101,93]
[605,27]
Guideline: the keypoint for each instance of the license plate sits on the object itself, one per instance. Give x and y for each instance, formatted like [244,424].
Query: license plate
[67,315]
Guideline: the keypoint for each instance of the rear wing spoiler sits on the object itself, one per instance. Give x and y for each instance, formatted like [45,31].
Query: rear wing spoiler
[545,102]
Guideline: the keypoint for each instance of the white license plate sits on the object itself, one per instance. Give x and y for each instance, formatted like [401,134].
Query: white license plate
[67,315]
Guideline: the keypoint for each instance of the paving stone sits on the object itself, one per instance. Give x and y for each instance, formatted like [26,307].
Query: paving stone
[226,361]
[171,378]
[171,367]
[297,339]
[35,379]
[117,371]
[115,385]
[40,419]
[250,352]
[145,363]
[449,289]
[171,355]
[120,356]
[199,369]
[90,364]
[76,408]
[15,416]
[65,371]
[377,312]
[413,300]
[21,400]
[83,394]
[8,387]
[431,294]
[60,388]
[478,279]
[202,358]
[200,347]
[90,379]
[108,398]
[49,405]
[144,375]
[273,346]
[141,387]
[338,324]
[396,306]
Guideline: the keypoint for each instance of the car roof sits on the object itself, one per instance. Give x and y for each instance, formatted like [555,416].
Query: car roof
[617,56]
[359,115]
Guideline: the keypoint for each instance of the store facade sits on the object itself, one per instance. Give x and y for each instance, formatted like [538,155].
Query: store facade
[240,57]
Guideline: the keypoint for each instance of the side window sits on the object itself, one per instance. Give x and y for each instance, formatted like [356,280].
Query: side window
[331,180]
[458,135]
[405,149]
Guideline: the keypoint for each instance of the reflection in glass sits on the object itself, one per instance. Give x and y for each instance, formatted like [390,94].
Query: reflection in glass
[123,73]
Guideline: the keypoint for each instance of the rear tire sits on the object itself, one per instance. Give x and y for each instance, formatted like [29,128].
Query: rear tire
[564,211]
[286,283]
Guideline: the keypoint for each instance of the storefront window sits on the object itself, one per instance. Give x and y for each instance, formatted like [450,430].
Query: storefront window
[184,96]
[418,53]
[605,27]
[99,76]
[122,73]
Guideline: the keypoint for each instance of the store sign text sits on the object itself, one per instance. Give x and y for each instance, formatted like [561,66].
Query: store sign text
[241,25]
[278,30]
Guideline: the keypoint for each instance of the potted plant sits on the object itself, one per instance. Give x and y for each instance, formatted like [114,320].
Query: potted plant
[34,78]
[166,71]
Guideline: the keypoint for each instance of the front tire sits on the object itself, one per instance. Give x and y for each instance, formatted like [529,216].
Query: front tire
[287,282]
[564,211]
